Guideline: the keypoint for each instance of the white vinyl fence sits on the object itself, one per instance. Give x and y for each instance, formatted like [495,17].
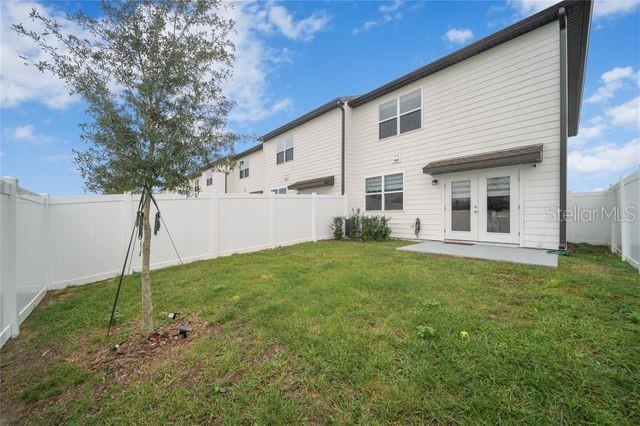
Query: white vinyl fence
[608,218]
[55,242]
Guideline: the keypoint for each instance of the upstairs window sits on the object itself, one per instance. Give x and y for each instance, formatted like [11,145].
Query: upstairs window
[209,178]
[284,152]
[244,169]
[384,192]
[392,122]
[279,190]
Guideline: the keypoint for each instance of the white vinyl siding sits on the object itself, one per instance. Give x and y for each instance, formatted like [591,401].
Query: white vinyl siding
[252,181]
[506,97]
[317,154]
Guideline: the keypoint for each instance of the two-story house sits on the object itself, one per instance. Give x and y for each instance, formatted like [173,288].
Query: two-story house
[474,145]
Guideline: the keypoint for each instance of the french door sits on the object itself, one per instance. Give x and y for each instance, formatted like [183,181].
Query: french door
[482,206]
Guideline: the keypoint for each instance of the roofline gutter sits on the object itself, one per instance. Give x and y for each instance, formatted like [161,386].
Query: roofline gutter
[342,148]
[564,126]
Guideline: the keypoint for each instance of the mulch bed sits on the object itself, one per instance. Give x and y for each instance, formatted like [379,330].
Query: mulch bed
[139,356]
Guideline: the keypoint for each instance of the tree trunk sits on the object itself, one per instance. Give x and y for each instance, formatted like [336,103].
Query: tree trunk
[147,306]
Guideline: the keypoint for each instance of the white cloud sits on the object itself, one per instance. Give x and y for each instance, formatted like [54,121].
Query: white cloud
[626,114]
[365,27]
[21,83]
[26,133]
[612,80]
[23,133]
[303,29]
[390,12]
[529,7]
[594,130]
[459,36]
[249,86]
[57,158]
[608,8]
[392,7]
[601,8]
[616,74]
[605,158]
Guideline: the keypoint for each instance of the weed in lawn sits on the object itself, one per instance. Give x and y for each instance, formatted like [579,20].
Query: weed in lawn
[425,331]
[430,303]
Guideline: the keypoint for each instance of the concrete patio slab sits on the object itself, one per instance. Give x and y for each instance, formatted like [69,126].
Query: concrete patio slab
[488,252]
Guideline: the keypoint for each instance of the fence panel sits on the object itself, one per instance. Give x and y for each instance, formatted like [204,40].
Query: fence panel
[55,242]
[31,251]
[618,223]
[245,223]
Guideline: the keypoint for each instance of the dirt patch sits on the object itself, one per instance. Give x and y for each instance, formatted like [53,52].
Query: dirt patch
[141,356]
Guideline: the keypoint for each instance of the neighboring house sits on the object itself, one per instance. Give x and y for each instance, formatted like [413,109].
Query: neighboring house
[474,144]
[247,174]
[304,156]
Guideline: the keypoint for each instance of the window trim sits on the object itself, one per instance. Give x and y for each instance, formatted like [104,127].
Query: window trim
[399,114]
[244,163]
[274,190]
[284,151]
[383,192]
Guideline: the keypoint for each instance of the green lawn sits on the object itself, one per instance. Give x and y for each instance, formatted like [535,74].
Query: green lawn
[327,332]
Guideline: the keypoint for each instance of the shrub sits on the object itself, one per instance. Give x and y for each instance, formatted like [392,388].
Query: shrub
[336,227]
[352,225]
[374,228]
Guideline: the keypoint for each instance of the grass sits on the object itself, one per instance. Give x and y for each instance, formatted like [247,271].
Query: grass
[342,332]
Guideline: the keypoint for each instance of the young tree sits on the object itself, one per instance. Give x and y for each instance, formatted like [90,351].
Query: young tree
[151,75]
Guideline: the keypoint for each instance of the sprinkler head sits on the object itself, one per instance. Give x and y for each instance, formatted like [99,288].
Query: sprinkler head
[184,331]
[174,315]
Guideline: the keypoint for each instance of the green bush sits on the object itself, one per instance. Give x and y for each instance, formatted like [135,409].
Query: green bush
[336,227]
[374,228]
[352,226]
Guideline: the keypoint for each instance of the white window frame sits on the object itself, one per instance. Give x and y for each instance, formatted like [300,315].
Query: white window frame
[276,190]
[283,145]
[244,167]
[383,192]
[398,114]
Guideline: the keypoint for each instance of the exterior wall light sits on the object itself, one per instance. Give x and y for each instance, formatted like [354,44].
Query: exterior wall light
[434,182]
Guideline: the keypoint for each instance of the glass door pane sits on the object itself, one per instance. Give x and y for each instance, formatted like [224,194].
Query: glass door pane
[461,205]
[498,204]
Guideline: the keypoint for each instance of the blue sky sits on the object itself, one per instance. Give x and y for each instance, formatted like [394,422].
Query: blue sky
[294,56]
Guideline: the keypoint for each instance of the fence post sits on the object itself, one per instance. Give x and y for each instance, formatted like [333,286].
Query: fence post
[272,217]
[314,216]
[624,231]
[47,241]
[9,267]
[215,228]
[612,220]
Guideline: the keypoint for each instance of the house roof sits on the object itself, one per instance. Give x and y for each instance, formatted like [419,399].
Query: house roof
[251,150]
[313,183]
[506,157]
[578,22]
[307,117]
